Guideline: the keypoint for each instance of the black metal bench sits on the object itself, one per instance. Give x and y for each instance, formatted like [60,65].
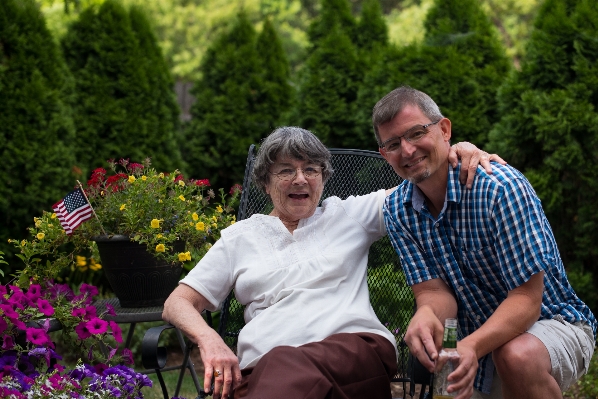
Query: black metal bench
[356,172]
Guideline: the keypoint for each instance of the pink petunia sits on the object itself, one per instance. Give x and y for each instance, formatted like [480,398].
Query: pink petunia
[127,356]
[8,342]
[18,323]
[2,290]
[82,331]
[90,290]
[45,307]
[36,336]
[110,310]
[17,299]
[9,311]
[90,312]
[35,291]
[97,326]
[116,332]
[78,312]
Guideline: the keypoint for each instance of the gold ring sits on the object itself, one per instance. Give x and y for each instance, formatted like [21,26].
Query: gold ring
[217,373]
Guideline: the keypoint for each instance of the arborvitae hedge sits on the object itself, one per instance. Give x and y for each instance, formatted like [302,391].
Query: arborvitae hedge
[549,130]
[36,127]
[460,65]
[125,104]
[235,105]
[276,93]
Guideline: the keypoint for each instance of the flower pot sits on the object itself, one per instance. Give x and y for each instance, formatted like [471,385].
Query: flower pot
[137,278]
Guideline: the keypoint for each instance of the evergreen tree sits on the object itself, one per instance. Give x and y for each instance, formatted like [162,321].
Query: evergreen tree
[328,92]
[36,127]
[462,25]
[549,130]
[276,93]
[226,116]
[125,108]
[371,27]
[334,14]
[461,65]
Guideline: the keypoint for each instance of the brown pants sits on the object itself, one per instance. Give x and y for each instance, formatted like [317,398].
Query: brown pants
[343,366]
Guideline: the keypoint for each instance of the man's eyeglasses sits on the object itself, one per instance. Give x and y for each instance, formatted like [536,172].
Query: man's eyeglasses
[412,136]
[286,174]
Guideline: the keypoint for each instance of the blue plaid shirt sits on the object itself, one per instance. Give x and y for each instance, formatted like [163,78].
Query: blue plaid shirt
[485,242]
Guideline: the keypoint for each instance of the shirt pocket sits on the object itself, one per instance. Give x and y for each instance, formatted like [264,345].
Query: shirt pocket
[483,268]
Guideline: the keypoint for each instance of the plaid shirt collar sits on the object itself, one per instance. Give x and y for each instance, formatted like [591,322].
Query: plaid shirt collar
[416,197]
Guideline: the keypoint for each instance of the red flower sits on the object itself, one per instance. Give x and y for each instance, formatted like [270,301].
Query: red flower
[202,183]
[237,188]
[114,181]
[135,167]
[179,177]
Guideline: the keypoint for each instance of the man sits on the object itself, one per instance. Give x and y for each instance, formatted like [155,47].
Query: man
[485,255]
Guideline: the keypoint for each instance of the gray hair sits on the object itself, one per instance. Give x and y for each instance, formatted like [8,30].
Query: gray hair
[294,143]
[395,101]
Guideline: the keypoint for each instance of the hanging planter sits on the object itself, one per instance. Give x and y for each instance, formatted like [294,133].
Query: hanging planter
[138,278]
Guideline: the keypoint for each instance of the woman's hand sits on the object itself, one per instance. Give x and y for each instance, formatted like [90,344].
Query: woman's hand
[471,156]
[219,361]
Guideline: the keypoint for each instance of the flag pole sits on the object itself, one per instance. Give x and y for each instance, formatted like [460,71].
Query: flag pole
[93,210]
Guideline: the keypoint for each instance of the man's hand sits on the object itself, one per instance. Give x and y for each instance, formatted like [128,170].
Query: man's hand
[462,378]
[424,336]
[220,362]
[471,156]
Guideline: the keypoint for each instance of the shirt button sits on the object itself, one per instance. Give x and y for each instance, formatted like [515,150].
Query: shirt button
[461,289]
[447,256]
[478,317]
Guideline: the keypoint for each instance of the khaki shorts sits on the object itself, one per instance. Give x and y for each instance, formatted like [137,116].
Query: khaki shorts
[570,347]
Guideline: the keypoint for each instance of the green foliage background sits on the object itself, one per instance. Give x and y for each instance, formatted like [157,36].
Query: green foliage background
[36,120]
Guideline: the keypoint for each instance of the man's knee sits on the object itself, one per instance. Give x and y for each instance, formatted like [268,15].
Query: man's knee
[524,354]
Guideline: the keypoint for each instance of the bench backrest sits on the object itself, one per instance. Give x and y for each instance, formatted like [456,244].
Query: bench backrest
[356,172]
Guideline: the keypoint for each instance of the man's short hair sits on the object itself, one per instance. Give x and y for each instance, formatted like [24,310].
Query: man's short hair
[395,101]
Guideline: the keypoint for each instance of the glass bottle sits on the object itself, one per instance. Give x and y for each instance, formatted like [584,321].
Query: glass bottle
[448,360]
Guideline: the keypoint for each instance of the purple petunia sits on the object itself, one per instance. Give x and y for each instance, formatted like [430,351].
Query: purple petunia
[90,290]
[8,342]
[97,326]
[3,325]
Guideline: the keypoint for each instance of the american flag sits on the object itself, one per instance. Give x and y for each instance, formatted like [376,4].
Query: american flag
[73,210]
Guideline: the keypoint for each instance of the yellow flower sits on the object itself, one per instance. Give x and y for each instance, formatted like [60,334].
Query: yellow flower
[40,236]
[160,200]
[23,243]
[131,179]
[155,223]
[160,248]
[81,261]
[200,226]
[144,177]
[214,219]
[194,216]
[183,256]
[93,265]
[181,183]
[232,222]
[122,207]
[181,197]
[53,216]
[37,221]
[219,209]
[214,225]
[161,175]
[159,236]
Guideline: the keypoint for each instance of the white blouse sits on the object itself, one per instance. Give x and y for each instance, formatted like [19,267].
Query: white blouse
[301,287]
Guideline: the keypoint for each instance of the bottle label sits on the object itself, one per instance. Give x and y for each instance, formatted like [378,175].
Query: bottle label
[450,338]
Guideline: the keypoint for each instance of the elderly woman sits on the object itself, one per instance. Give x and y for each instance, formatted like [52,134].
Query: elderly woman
[300,272]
